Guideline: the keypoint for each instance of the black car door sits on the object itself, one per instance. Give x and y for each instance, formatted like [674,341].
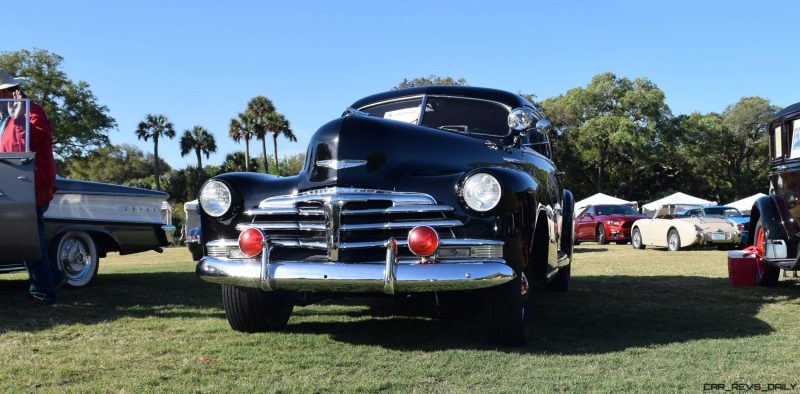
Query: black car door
[19,240]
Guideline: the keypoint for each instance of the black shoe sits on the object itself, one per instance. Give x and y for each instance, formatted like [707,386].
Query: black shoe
[36,301]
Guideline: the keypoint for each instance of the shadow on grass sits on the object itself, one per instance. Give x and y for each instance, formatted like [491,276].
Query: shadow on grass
[589,250]
[112,296]
[599,314]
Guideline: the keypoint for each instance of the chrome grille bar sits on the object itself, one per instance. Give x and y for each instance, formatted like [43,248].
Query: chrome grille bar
[288,226]
[400,225]
[399,209]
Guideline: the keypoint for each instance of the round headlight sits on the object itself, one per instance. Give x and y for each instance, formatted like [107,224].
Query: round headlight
[215,198]
[481,192]
[521,118]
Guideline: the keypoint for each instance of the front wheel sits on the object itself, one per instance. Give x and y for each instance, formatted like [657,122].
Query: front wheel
[636,239]
[673,240]
[507,312]
[766,275]
[75,254]
[253,310]
[601,235]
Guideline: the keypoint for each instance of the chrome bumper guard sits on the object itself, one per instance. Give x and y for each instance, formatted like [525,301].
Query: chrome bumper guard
[390,276]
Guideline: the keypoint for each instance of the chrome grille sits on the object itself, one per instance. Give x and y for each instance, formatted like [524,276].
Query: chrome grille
[345,220]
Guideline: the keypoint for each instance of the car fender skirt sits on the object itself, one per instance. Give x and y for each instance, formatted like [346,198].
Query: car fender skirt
[409,277]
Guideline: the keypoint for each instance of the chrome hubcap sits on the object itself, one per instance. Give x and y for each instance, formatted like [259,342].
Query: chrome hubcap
[673,242]
[74,258]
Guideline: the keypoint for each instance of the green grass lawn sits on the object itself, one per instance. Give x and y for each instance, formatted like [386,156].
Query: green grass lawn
[633,321]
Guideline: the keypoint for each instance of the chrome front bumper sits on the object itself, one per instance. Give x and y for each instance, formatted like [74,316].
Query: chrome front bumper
[391,276]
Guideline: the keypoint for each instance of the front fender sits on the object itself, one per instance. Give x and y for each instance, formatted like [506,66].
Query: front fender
[768,209]
[777,221]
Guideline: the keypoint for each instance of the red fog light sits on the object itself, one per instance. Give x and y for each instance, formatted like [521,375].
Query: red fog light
[423,241]
[251,241]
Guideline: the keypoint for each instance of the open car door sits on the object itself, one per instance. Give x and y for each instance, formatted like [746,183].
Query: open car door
[20,239]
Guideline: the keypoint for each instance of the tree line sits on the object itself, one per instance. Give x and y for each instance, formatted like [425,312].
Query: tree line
[615,135]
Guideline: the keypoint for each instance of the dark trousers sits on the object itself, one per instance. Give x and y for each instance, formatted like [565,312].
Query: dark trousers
[43,274]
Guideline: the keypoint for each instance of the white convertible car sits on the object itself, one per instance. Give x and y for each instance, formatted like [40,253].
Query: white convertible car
[677,226]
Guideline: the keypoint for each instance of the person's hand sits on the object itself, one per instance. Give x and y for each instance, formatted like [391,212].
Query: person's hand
[15,107]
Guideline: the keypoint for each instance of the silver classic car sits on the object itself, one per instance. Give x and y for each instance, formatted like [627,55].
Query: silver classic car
[85,221]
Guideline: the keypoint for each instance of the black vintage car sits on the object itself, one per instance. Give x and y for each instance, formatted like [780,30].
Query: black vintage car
[773,220]
[421,190]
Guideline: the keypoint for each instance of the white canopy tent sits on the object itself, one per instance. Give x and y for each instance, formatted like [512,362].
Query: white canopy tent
[677,198]
[601,198]
[746,204]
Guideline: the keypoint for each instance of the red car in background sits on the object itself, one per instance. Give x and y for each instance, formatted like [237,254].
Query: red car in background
[605,223]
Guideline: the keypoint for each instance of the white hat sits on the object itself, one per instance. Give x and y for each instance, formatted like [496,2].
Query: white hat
[7,81]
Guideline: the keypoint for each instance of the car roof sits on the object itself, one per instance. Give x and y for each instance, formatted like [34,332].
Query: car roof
[787,111]
[501,96]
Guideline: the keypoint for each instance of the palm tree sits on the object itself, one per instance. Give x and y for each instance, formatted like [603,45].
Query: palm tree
[154,126]
[279,126]
[261,109]
[241,128]
[199,140]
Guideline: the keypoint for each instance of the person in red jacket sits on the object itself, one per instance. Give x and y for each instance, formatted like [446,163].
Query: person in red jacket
[45,277]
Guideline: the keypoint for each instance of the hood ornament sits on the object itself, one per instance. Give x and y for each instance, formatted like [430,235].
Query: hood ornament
[340,164]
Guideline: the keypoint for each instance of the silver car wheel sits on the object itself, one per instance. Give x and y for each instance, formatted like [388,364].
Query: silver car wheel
[673,241]
[76,255]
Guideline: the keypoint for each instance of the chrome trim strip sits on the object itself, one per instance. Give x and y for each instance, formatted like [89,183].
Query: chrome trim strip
[341,164]
[339,194]
[399,209]
[465,274]
[400,225]
[282,226]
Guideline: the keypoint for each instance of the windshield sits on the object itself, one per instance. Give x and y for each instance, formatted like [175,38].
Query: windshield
[688,210]
[455,114]
[725,212]
[615,210]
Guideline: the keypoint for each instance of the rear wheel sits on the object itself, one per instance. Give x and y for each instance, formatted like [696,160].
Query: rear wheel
[636,239]
[253,310]
[600,235]
[766,275]
[75,254]
[673,240]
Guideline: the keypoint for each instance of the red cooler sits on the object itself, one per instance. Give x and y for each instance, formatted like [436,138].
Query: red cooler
[742,268]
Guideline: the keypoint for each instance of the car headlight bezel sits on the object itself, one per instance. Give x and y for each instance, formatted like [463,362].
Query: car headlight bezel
[481,192]
[520,119]
[215,198]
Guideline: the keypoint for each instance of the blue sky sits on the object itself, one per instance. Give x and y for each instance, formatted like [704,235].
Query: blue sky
[200,62]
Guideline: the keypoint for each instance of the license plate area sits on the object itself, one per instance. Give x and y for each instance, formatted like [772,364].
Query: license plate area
[718,236]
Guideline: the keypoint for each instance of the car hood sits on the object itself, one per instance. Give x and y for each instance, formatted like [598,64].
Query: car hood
[623,218]
[367,152]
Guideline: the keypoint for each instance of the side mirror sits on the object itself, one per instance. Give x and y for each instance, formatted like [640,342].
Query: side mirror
[543,126]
